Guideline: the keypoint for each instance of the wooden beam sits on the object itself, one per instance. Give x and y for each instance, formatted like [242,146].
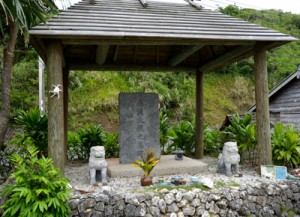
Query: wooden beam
[186,52]
[101,54]
[134,53]
[225,58]
[158,41]
[130,67]
[262,105]
[199,147]
[194,4]
[56,124]
[144,3]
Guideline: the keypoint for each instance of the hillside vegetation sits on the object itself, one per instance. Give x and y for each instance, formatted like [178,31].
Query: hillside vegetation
[94,95]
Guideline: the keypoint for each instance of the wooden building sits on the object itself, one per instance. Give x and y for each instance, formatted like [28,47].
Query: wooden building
[148,35]
[284,101]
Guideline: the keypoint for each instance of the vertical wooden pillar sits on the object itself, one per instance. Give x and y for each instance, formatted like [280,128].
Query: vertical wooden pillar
[262,104]
[56,127]
[199,116]
[66,106]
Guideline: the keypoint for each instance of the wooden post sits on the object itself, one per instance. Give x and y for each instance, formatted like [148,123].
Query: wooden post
[199,116]
[262,104]
[66,106]
[56,127]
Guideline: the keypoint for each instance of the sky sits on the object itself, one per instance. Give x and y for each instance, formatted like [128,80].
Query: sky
[292,6]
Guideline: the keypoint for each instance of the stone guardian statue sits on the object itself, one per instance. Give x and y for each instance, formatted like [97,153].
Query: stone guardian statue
[97,165]
[229,159]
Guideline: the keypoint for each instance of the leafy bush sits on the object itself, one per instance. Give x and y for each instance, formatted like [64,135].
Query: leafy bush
[182,136]
[244,133]
[39,188]
[91,135]
[285,145]
[163,131]
[34,129]
[75,149]
[111,145]
[210,140]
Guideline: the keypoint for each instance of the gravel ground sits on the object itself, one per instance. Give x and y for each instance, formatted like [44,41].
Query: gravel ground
[79,177]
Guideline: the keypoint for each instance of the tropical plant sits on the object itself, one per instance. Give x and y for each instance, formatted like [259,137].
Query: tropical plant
[163,131]
[244,133]
[147,163]
[91,135]
[111,145]
[16,16]
[285,145]
[34,129]
[182,136]
[74,146]
[39,188]
[210,140]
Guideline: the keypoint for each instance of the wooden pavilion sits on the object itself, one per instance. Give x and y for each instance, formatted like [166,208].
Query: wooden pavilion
[148,35]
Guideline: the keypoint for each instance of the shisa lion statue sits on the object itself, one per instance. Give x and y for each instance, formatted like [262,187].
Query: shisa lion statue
[97,164]
[229,159]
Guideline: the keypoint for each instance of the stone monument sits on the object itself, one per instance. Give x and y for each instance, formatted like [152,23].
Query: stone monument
[139,125]
[97,165]
[228,159]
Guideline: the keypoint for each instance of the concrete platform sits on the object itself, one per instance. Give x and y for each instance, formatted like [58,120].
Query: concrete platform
[166,166]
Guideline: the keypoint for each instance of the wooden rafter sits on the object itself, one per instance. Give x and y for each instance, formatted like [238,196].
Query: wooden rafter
[225,58]
[144,3]
[194,4]
[101,54]
[186,52]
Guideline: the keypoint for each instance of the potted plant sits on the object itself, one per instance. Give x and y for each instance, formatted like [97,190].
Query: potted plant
[147,164]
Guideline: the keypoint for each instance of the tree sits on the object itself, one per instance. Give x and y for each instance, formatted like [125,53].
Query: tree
[16,17]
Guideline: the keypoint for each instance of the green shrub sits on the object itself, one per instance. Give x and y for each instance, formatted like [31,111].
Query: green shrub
[75,149]
[183,137]
[91,135]
[34,129]
[163,131]
[285,145]
[244,133]
[210,140]
[39,188]
[111,145]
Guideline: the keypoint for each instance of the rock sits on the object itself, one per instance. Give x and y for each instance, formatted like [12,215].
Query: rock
[154,211]
[73,203]
[205,214]
[108,210]
[178,196]
[130,210]
[99,206]
[140,211]
[103,198]
[196,202]
[162,205]
[155,201]
[190,195]
[169,198]
[173,208]
[180,214]
[173,214]
[222,204]
[189,211]
[88,203]
[182,203]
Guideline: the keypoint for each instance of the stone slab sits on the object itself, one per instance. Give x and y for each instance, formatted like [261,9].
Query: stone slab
[166,166]
[139,125]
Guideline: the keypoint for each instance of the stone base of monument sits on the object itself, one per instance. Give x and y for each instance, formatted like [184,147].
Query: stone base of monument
[166,166]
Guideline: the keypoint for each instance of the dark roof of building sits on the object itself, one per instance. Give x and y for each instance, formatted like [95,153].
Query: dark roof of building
[126,22]
[276,90]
